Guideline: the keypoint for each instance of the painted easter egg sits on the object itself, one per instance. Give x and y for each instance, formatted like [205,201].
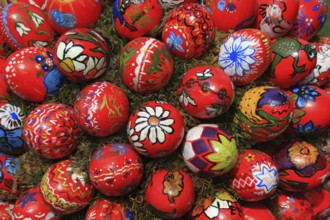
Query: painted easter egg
[115,169]
[170,4]
[188,31]
[263,113]
[245,55]
[134,19]
[254,177]
[205,92]
[229,15]
[292,60]
[301,166]
[256,211]
[6,211]
[101,109]
[3,83]
[209,150]
[65,187]
[51,131]
[24,25]
[145,65]
[155,129]
[69,14]
[170,194]
[33,67]
[81,54]
[8,177]
[319,199]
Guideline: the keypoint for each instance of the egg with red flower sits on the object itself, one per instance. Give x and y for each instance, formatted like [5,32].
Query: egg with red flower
[8,177]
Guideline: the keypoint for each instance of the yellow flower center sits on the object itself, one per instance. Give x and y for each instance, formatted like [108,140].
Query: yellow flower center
[153,120]
[67,65]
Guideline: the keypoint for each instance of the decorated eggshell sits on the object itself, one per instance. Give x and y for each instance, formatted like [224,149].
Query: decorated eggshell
[30,205]
[8,177]
[292,60]
[301,166]
[155,129]
[319,199]
[67,15]
[65,187]
[51,131]
[105,209]
[209,150]
[263,113]
[101,109]
[3,84]
[170,4]
[134,19]
[256,211]
[6,211]
[115,169]
[245,55]
[33,67]
[276,17]
[24,25]
[254,177]
[222,205]
[145,65]
[205,92]
[170,194]
[188,31]
[81,54]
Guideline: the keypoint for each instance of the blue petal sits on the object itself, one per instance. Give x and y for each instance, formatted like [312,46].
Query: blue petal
[68,20]
[308,127]
[53,81]
[311,98]
[301,102]
[14,133]
[15,142]
[2,133]
[295,90]
[178,40]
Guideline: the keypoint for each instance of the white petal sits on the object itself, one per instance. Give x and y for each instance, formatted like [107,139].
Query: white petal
[167,122]
[143,114]
[243,46]
[165,128]
[159,111]
[60,50]
[141,126]
[100,64]
[74,51]
[152,135]
[160,135]
[236,44]
[144,133]
[244,65]
[165,114]
[68,46]
[20,31]
[141,119]
[150,110]
[239,70]
[248,52]
[228,44]
[90,65]
[134,137]
[81,58]
[78,66]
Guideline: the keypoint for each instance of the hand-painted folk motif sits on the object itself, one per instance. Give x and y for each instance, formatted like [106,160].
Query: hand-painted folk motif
[6,211]
[8,176]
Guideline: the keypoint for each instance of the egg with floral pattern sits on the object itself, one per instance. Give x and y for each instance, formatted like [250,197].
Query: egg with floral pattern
[8,177]
[3,84]
[6,211]
[82,54]
[32,75]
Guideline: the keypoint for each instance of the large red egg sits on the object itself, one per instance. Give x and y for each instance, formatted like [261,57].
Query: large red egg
[115,169]
[101,109]
[6,211]
[24,25]
[8,177]
[32,75]
[245,55]
[319,199]
[254,177]
[170,194]
[51,131]
[205,92]
[256,211]
[3,84]
[65,187]
[189,31]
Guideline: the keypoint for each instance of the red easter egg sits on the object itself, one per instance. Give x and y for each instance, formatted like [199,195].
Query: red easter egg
[145,64]
[24,25]
[205,92]
[30,205]
[276,17]
[245,55]
[51,131]
[155,129]
[81,54]
[254,176]
[101,109]
[65,187]
[188,31]
[70,14]
[6,211]
[115,169]
[232,14]
[3,84]
[292,60]
[256,211]
[8,177]
[134,19]
[170,194]
[32,75]
[319,199]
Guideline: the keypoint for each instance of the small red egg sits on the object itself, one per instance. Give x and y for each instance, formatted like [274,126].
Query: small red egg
[319,199]
[257,211]
[101,109]
[170,194]
[205,92]
[6,211]
[115,169]
[8,177]
[3,84]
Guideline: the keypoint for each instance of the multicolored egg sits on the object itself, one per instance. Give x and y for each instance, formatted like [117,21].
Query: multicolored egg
[155,129]
[170,194]
[319,199]
[8,177]
[263,113]
[205,92]
[301,166]
[101,109]
[245,55]
[3,84]
[51,131]
[81,54]
[254,177]
[6,211]
[65,187]
[256,211]
[189,31]
[292,60]
[33,67]
[145,65]
[24,25]
[209,150]
[134,19]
